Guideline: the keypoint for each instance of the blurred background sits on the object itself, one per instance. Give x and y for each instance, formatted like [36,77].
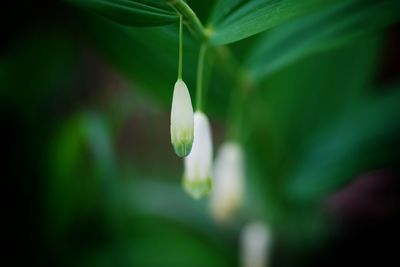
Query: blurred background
[90,177]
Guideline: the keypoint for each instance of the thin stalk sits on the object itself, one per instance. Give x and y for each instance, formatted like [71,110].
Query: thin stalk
[200,77]
[180,47]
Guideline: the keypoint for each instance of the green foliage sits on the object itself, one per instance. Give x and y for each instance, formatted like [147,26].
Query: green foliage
[293,107]
[330,27]
[232,21]
[82,161]
[132,13]
[359,140]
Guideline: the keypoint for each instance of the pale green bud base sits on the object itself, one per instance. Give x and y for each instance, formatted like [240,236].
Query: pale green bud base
[197,188]
[182,149]
[182,144]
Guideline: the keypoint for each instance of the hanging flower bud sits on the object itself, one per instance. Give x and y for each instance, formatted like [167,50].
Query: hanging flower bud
[197,174]
[227,192]
[255,243]
[181,120]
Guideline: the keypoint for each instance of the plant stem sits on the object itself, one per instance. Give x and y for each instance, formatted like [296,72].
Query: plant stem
[180,47]
[191,17]
[200,72]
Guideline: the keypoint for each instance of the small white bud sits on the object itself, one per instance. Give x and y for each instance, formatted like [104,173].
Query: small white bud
[255,242]
[197,173]
[228,183]
[181,120]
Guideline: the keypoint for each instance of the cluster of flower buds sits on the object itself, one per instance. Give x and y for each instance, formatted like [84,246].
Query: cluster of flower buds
[191,138]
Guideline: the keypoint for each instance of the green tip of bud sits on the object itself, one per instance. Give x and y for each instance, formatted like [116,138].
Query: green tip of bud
[198,188]
[182,149]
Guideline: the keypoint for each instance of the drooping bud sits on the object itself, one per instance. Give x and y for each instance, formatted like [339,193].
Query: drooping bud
[255,243]
[181,120]
[228,182]
[197,173]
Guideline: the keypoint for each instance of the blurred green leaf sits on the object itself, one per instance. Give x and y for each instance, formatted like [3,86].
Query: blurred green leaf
[330,27]
[153,241]
[221,9]
[81,163]
[294,104]
[359,140]
[236,20]
[131,12]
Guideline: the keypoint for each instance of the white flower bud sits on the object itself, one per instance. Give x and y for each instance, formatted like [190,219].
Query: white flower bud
[228,182]
[255,243]
[197,174]
[181,120]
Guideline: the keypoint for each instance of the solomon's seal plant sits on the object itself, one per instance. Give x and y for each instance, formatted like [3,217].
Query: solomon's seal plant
[290,96]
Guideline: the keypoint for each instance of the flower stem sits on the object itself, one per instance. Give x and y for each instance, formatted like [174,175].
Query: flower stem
[200,77]
[180,47]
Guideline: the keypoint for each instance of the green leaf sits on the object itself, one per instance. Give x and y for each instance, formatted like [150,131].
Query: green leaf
[330,27]
[154,241]
[362,139]
[131,12]
[296,103]
[81,162]
[237,20]
[222,9]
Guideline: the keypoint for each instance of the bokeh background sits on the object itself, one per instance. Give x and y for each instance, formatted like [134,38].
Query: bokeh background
[89,175]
